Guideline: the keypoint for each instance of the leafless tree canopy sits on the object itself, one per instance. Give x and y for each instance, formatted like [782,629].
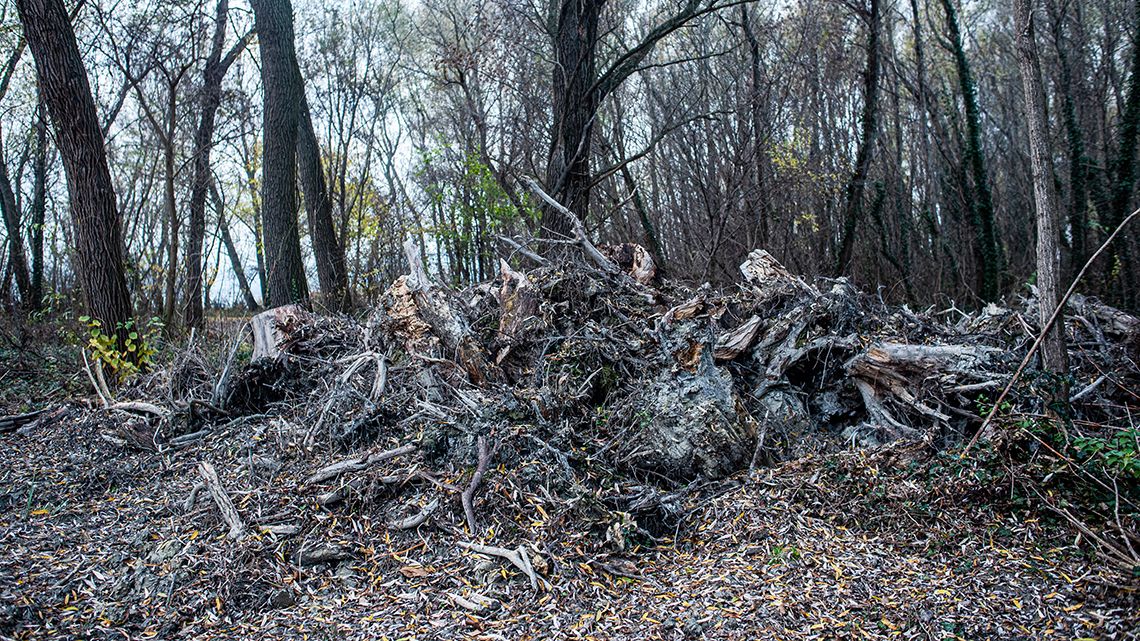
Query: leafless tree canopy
[882,140]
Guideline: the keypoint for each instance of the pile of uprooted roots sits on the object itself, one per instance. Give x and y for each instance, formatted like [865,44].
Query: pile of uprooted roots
[605,386]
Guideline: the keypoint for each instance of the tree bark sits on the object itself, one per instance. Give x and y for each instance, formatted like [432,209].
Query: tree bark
[17,257]
[285,270]
[987,248]
[67,94]
[39,206]
[1053,352]
[853,204]
[568,173]
[329,253]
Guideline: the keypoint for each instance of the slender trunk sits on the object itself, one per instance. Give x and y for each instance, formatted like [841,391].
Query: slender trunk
[17,257]
[171,208]
[214,72]
[1124,175]
[853,204]
[39,206]
[285,270]
[329,253]
[1079,162]
[67,94]
[1048,252]
[987,247]
[756,108]
[231,250]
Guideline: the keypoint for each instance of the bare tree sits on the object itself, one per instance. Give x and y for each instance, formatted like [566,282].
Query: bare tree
[67,95]
[217,65]
[1048,251]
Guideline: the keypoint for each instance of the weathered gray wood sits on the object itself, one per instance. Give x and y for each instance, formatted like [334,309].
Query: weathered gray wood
[229,512]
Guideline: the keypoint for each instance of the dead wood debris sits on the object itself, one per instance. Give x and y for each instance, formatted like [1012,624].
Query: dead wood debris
[603,408]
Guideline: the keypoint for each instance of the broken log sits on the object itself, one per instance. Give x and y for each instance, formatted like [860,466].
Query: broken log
[15,422]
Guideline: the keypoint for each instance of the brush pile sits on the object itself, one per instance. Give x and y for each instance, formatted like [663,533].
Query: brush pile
[601,379]
[550,425]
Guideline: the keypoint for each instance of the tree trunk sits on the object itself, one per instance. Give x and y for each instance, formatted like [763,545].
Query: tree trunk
[756,109]
[231,250]
[67,94]
[1124,176]
[170,206]
[215,71]
[1079,162]
[568,175]
[1048,252]
[285,270]
[329,253]
[17,257]
[853,205]
[987,248]
[39,207]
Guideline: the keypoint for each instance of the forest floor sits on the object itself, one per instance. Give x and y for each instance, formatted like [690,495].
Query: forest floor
[893,543]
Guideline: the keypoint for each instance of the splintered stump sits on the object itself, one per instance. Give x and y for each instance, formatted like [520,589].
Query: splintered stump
[271,328]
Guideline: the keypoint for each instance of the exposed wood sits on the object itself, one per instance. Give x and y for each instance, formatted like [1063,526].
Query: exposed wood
[734,343]
[222,499]
[271,328]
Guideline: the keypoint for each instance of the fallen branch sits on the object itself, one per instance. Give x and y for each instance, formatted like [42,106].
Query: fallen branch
[518,558]
[140,407]
[468,496]
[229,513]
[416,519]
[15,422]
[359,463]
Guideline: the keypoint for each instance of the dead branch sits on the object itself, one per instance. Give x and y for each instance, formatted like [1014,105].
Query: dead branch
[578,228]
[358,463]
[417,519]
[229,513]
[16,421]
[518,558]
[140,407]
[468,496]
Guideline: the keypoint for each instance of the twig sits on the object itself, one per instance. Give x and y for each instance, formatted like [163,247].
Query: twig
[468,496]
[523,250]
[1088,390]
[1044,331]
[188,504]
